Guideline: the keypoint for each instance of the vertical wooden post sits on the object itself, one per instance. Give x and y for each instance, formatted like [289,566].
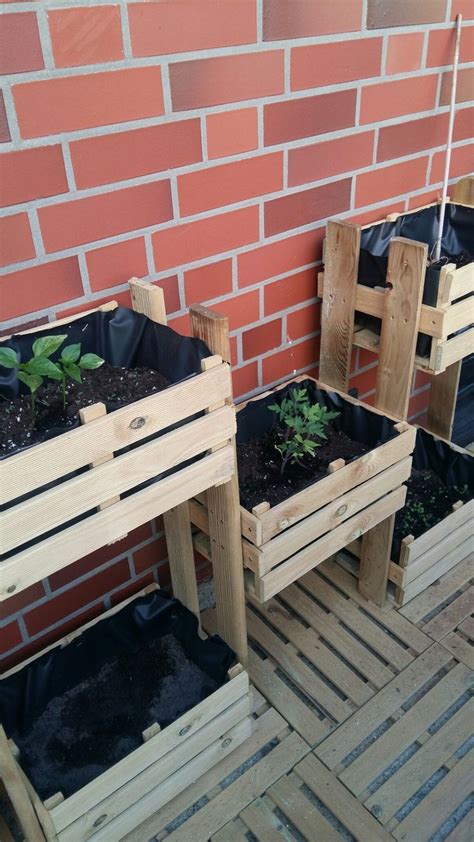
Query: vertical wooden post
[375,561]
[18,794]
[181,556]
[443,397]
[406,274]
[463,192]
[224,511]
[86,415]
[338,307]
[148,299]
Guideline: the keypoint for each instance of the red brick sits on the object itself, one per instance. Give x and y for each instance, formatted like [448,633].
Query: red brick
[385,13]
[303,322]
[322,160]
[231,132]
[208,282]
[150,555]
[441,46]
[405,138]
[423,199]
[422,378]
[393,99]
[342,61]
[363,382]
[313,115]
[230,183]
[367,358]
[85,35]
[27,290]
[404,52]
[280,257]
[284,19]
[379,184]
[170,288]
[241,309]
[418,403]
[69,103]
[287,362]
[245,379]
[287,292]
[463,124]
[205,237]
[262,338]
[377,214]
[113,157]
[116,264]
[181,324]
[160,28]
[10,636]
[16,242]
[76,597]
[464,87]
[132,588]
[20,46]
[6,331]
[22,600]
[462,163]
[464,8]
[97,217]
[122,299]
[307,206]
[4,128]
[213,81]
[31,174]
[233,350]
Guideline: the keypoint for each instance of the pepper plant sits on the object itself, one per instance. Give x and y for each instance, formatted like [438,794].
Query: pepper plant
[304,424]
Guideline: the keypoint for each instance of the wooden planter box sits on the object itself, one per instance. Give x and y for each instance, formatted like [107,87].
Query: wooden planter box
[95,495]
[423,560]
[282,543]
[117,801]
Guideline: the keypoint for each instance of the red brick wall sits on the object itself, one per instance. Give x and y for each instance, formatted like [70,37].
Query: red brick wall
[202,144]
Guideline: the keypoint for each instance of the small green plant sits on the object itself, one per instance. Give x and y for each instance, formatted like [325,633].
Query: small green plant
[33,371]
[305,423]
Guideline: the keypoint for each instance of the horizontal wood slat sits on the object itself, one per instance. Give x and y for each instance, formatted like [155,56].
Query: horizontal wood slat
[46,462]
[83,493]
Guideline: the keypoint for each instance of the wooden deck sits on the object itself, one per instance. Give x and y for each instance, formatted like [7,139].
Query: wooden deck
[362,723]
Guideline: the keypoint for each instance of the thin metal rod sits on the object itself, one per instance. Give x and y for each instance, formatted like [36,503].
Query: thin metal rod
[447,163]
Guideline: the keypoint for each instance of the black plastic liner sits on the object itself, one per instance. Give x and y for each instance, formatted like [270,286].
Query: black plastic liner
[25,694]
[123,338]
[458,237]
[355,420]
[452,467]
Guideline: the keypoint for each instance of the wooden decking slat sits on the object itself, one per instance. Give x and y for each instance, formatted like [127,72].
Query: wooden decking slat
[453,581]
[452,615]
[262,822]
[301,813]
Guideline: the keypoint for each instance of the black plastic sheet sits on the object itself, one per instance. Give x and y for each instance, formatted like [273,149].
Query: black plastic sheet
[452,467]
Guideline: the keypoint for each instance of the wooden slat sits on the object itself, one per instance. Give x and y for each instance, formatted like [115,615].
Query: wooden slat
[449,525]
[442,401]
[462,281]
[406,273]
[18,794]
[57,506]
[263,823]
[308,821]
[439,592]
[148,299]
[342,260]
[86,415]
[463,191]
[464,830]
[212,328]
[454,349]
[375,560]
[180,548]
[334,485]
[23,472]
[106,307]
[307,559]
[460,642]
[79,540]
[439,551]
[461,314]
[451,616]
[439,568]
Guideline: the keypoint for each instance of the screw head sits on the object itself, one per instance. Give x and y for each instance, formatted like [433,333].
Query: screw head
[11,589]
[100,820]
[226,742]
[184,730]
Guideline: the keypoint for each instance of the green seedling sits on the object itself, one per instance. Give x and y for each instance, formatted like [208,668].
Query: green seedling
[70,364]
[304,424]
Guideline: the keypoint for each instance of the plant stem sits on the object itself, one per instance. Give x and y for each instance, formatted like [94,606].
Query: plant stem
[33,409]
[285,458]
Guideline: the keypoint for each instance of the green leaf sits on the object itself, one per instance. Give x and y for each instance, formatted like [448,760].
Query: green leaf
[91,361]
[43,367]
[73,371]
[8,358]
[47,345]
[71,353]
[33,381]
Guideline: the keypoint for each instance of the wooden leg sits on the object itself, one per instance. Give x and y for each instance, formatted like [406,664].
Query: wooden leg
[375,561]
[443,397]
[18,794]
[181,556]
[226,553]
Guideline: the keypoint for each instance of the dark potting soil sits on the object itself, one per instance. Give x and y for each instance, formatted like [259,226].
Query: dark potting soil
[112,385]
[259,464]
[95,724]
[428,501]
[461,259]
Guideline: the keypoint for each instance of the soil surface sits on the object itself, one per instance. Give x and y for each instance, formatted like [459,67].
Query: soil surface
[112,385]
[461,259]
[99,721]
[428,501]
[259,464]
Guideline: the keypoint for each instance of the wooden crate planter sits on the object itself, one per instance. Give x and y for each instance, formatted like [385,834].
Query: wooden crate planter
[95,495]
[423,560]
[283,542]
[448,323]
[115,802]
